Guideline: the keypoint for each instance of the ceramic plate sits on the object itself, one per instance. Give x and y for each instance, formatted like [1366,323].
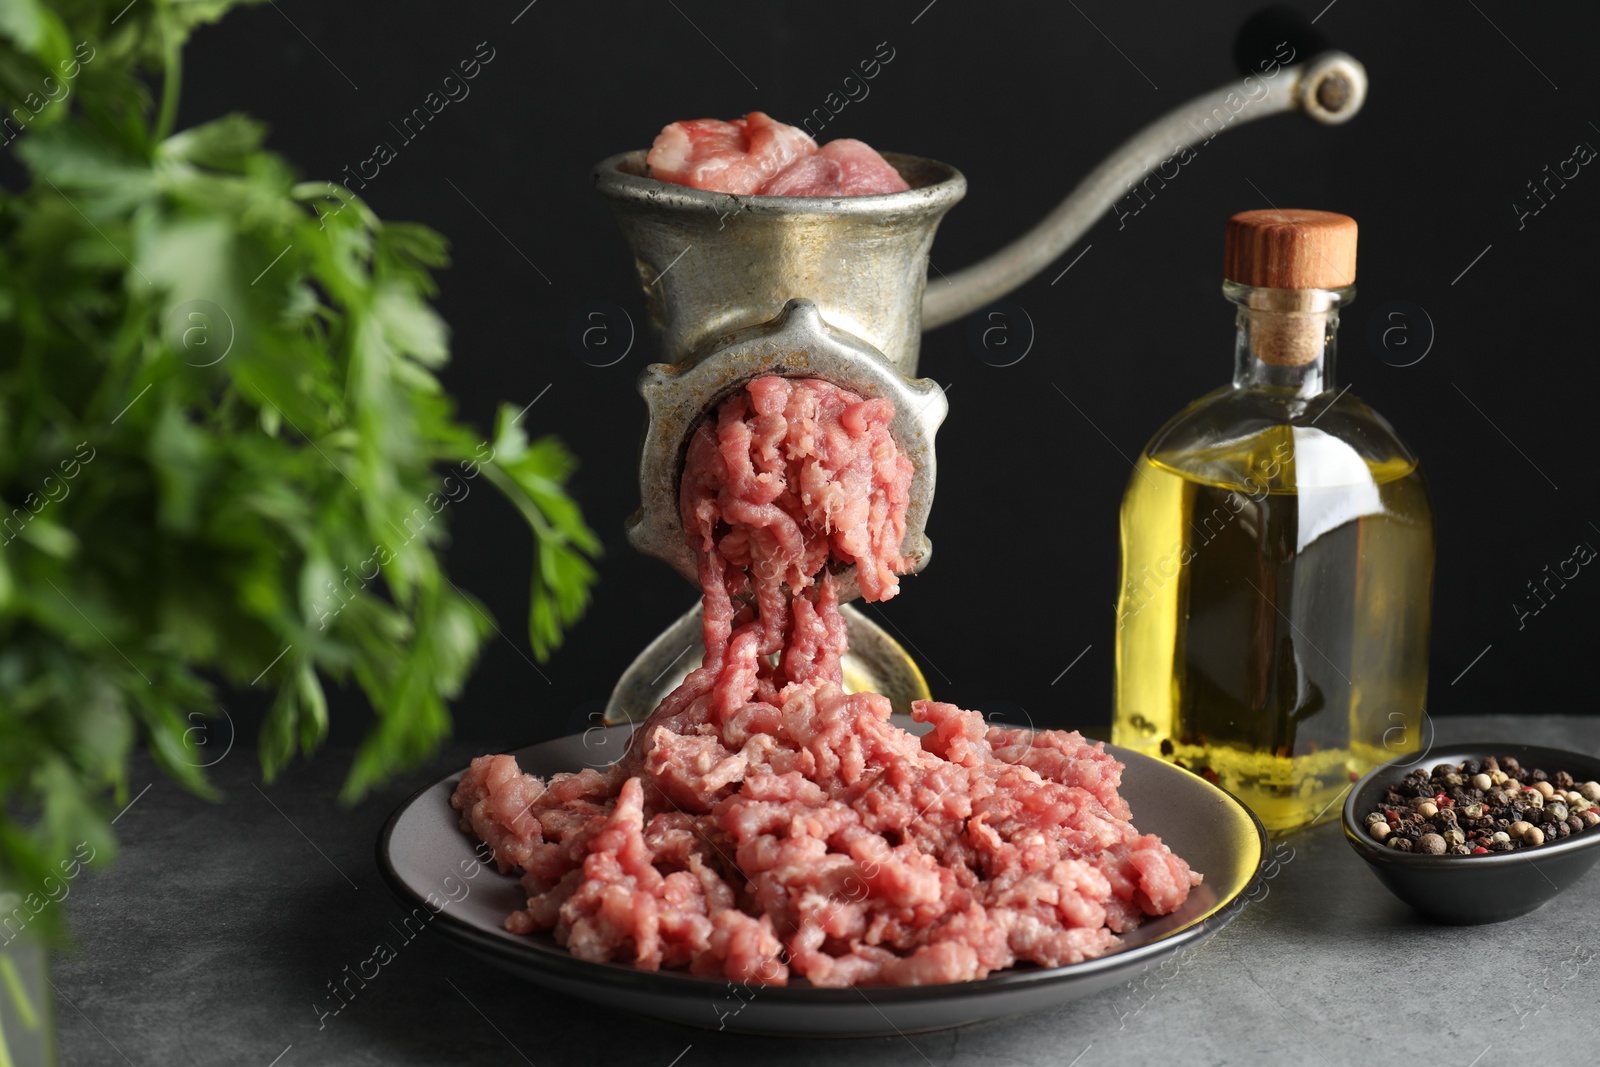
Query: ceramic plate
[426,860]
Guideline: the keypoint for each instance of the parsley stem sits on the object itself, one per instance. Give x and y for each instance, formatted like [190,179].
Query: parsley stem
[523,503]
[5,1051]
[26,1013]
[172,77]
[21,1003]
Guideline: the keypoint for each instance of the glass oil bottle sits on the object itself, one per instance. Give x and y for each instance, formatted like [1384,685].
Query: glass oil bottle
[1277,553]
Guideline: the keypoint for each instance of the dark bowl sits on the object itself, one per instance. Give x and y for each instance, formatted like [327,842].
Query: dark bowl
[1474,889]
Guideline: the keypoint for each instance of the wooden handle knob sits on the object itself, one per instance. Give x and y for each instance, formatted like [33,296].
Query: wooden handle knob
[1291,248]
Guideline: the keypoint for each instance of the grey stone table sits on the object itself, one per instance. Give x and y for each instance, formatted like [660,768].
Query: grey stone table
[214,936]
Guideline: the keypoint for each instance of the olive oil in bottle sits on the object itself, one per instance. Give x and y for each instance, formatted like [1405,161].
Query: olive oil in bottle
[1277,553]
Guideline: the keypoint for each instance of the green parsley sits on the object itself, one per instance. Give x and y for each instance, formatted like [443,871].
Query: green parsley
[224,453]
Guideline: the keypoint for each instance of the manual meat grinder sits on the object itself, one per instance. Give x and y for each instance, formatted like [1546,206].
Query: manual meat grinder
[737,287]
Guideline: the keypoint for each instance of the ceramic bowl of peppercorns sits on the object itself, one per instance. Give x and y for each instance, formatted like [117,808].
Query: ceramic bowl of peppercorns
[1478,833]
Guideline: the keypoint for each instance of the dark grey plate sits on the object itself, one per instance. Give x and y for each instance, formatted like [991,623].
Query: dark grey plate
[430,864]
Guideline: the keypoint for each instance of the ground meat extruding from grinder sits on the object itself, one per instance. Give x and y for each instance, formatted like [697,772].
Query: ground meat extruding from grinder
[765,824]
[757,155]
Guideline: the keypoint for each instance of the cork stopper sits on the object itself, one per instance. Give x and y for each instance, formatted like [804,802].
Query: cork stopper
[1293,255]
[1291,248]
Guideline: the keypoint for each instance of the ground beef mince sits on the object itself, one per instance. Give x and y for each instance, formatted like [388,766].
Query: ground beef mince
[757,155]
[765,824]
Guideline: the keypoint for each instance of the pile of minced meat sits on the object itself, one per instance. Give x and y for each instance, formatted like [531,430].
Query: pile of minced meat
[760,156]
[766,825]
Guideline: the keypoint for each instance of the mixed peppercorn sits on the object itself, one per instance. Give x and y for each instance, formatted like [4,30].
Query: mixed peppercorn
[1474,808]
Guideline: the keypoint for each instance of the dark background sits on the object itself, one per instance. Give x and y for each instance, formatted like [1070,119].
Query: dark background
[1024,98]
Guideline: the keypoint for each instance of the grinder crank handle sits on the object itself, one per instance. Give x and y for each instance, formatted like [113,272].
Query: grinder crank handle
[1330,87]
